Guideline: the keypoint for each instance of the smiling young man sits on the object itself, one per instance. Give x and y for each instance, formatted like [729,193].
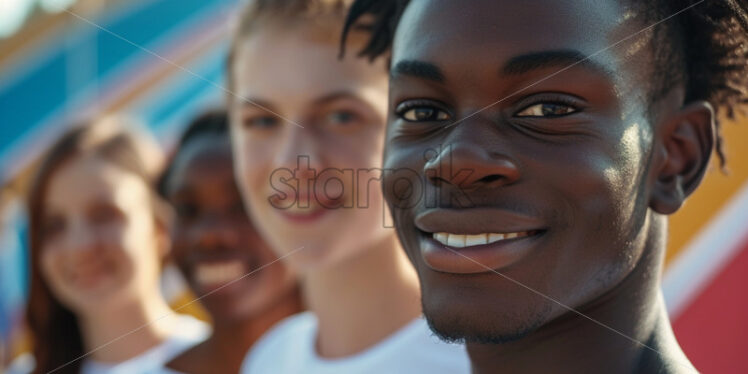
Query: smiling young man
[550,141]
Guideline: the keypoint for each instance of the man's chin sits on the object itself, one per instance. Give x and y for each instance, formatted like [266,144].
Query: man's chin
[470,329]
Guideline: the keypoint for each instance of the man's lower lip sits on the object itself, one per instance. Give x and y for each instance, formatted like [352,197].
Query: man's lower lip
[475,259]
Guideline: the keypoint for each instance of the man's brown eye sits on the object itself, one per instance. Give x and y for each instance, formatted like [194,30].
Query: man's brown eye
[547,110]
[424,114]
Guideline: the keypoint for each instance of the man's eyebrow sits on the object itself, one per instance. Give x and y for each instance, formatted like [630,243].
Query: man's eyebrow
[336,96]
[545,59]
[255,103]
[417,69]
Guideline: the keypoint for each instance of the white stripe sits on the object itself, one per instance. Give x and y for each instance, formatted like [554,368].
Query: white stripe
[707,254]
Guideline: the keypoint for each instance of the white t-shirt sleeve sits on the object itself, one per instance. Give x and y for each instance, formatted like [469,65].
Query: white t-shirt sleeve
[289,348]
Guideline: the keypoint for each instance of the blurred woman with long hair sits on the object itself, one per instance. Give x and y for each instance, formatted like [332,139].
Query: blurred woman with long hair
[98,234]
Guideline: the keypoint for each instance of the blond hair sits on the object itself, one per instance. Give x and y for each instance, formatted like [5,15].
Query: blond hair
[322,15]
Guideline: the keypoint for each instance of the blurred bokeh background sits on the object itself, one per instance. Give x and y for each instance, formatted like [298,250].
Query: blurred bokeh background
[161,61]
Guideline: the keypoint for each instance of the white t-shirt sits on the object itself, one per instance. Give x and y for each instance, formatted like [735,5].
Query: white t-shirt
[23,364]
[163,370]
[289,348]
[188,332]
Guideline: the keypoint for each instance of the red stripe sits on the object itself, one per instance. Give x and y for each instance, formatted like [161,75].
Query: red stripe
[713,329]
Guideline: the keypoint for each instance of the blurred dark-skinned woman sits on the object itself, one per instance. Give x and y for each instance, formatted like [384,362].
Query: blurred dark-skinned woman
[231,269]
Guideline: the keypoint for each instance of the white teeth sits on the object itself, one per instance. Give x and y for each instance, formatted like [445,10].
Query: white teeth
[495,237]
[456,240]
[441,237]
[219,273]
[476,239]
[461,241]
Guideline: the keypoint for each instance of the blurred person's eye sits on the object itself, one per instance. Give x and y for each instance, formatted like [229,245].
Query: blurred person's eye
[342,117]
[186,211]
[421,111]
[52,226]
[105,213]
[260,122]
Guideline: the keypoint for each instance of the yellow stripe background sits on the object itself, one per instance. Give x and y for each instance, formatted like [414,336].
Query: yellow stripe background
[716,189]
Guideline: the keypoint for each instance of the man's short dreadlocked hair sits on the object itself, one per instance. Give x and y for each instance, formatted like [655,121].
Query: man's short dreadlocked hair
[707,44]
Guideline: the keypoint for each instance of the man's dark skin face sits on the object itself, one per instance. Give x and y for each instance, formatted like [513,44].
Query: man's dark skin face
[571,162]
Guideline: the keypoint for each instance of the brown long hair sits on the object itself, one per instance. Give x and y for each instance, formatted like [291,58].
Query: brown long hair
[57,341]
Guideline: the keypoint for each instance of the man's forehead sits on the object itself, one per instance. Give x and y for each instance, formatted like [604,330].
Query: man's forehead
[440,30]
[480,41]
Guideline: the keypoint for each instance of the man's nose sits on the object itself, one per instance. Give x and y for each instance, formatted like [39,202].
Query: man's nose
[475,154]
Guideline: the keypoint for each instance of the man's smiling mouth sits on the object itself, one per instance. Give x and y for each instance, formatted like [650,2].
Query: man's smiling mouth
[466,240]
[476,240]
[476,253]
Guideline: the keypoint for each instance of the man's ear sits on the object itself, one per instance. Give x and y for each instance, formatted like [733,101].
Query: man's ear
[682,155]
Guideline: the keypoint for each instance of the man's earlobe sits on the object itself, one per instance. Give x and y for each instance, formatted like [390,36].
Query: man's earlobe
[686,144]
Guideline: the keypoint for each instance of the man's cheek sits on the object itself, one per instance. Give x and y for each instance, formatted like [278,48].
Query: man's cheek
[408,234]
[605,208]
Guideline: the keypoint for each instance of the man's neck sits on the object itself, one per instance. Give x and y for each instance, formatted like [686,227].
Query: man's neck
[625,330]
[225,350]
[238,334]
[352,299]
